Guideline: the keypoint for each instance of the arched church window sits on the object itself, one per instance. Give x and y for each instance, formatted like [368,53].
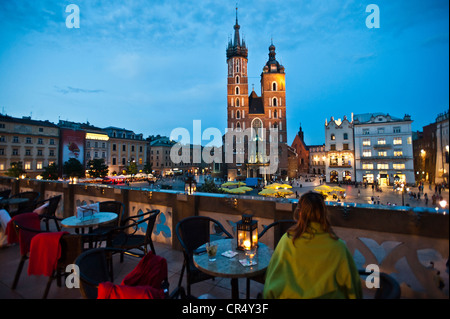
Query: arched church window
[274,101]
[237,102]
[237,79]
[238,114]
[274,86]
[237,90]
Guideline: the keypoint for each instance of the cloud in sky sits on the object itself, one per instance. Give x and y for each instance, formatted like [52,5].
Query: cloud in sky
[152,66]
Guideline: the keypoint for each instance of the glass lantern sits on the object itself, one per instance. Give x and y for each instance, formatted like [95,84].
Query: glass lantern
[190,185]
[246,233]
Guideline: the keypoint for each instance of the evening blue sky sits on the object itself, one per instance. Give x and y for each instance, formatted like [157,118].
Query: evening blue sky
[152,66]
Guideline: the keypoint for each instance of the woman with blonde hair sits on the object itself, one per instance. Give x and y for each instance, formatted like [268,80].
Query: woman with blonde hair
[310,261]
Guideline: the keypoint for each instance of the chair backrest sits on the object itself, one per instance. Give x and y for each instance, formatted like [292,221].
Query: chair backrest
[28,206]
[280,227]
[389,287]
[194,231]
[114,207]
[93,269]
[5,193]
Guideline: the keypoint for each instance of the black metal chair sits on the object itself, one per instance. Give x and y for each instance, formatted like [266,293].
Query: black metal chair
[126,237]
[112,207]
[50,211]
[25,207]
[94,268]
[389,287]
[280,227]
[193,232]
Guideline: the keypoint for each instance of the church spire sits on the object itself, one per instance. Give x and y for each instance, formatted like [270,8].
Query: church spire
[236,47]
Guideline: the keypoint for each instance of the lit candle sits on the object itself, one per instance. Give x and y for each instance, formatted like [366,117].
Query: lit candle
[247,244]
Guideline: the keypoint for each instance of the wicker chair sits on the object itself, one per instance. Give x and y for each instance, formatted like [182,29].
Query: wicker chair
[94,268]
[193,232]
[27,206]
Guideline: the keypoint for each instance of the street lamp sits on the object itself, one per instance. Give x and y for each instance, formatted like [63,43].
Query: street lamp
[190,186]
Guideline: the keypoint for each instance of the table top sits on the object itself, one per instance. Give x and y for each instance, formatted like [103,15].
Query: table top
[13,201]
[231,267]
[94,220]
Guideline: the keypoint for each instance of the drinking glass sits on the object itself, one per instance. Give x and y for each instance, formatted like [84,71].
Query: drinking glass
[211,248]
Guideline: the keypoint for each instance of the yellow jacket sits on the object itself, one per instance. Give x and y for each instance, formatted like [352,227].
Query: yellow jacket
[317,267]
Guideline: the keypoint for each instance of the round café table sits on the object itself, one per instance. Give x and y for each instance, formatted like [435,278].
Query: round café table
[12,201]
[231,267]
[90,221]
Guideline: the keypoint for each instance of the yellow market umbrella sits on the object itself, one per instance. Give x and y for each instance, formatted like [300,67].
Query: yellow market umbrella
[286,186]
[236,191]
[245,188]
[285,191]
[229,184]
[273,186]
[323,188]
[337,189]
[267,192]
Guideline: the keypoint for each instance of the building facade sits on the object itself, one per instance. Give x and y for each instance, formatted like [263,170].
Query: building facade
[302,152]
[255,115]
[317,159]
[126,148]
[34,143]
[339,151]
[383,149]
[442,148]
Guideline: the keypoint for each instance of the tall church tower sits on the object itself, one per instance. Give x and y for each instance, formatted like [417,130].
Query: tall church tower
[246,110]
[237,90]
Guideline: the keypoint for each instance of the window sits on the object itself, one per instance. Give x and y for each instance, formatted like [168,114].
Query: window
[238,114]
[382,166]
[28,140]
[345,136]
[41,129]
[40,141]
[237,79]
[397,129]
[2,151]
[88,144]
[409,140]
[274,101]
[27,165]
[366,142]
[382,153]
[52,153]
[398,166]
[28,152]
[124,147]
[114,147]
[123,161]
[380,130]
[332,147]
[398,153]
[237,90]
[367,166]
[114,161]
[381,141]
[274,86]
[367,153]
[366,131]
[333,137]
[52,141]
[15,139]
[2,138]
[132,148]
[345,146]
[15,151]
[397,140]
[39,165]
[39,153]
[237,102]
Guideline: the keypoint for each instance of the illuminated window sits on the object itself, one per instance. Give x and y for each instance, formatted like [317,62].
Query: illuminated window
[39,165]
[367,166]
[381,141]
[382,153]
[366,142]
[398,166]
[333,137]
[397,140]
[382,166]
[367,153]
[27,165]
[398,153]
